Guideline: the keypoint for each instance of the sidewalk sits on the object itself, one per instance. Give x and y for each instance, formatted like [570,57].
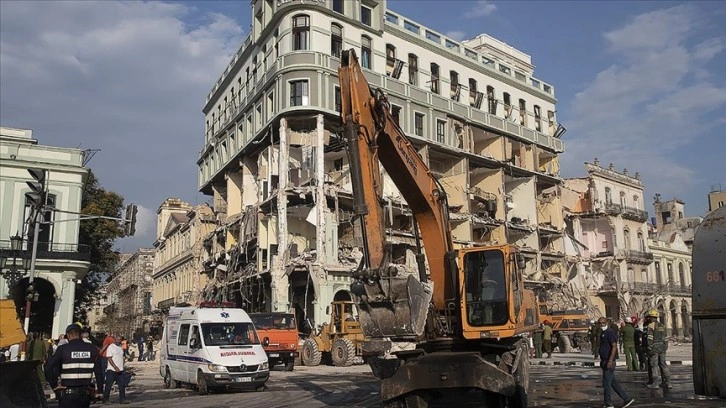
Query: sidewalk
[678,354]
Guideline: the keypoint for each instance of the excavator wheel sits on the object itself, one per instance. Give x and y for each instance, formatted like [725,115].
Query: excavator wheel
[521,376]
[343,352]
[311,355]
[564,343]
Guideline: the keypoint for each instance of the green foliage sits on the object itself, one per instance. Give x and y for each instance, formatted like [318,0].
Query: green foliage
[99,235]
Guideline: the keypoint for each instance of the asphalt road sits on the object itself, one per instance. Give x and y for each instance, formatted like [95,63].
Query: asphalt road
[551,386]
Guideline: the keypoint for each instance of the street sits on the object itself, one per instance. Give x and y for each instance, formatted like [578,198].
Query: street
[550,386]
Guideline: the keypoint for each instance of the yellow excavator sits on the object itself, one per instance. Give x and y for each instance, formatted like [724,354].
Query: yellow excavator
[20,385]
[459,327]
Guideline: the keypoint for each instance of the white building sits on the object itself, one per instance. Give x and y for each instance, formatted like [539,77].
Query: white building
[61,261]
[277,170]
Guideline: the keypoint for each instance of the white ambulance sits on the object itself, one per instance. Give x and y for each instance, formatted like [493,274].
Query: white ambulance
[212,347]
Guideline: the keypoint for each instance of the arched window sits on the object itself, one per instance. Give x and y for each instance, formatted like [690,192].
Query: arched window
[626,235]
[608,196]
[681,274]
[644,275]
[641,242]
[636,205]
[622,198]
[631,275]
[300,32]
[658,277]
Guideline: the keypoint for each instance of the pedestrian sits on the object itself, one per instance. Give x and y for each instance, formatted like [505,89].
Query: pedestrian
[109,340]
[608,354]
[640,345]
[656,347]
[140,345]
[84,337]
[595,333]
[75,365]
[627,336]
[537,339]
[125,346]
[547,338]
[150,349]
[115,371]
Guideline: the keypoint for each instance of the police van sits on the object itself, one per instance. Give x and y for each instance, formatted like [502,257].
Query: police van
[212,346]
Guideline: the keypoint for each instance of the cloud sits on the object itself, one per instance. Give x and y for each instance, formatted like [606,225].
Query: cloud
[653,102]
[456,35]
[481,8]
[129,78]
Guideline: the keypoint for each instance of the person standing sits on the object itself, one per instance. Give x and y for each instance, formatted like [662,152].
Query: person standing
[547,338]
[627,334]
[75,364]
[537,339]
[608,354]
[115,371]
[656,346]
[140,345]
[596,331]
[125,346]
[640,345]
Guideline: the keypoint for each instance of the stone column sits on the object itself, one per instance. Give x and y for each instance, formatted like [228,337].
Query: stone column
[679,320]
[64,316]
[320,202]
[280,284]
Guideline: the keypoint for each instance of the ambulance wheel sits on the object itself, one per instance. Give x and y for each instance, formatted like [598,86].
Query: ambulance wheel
[202,384]
[169,382]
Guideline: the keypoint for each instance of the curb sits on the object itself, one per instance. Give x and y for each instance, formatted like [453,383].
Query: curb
[593,364]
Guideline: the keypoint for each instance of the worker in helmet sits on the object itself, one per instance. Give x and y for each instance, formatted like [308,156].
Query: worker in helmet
[656,347]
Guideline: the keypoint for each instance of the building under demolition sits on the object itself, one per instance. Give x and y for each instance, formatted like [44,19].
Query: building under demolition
[275,162]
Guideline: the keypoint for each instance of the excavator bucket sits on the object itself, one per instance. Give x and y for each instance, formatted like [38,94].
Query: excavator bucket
[20,385]
[394,307]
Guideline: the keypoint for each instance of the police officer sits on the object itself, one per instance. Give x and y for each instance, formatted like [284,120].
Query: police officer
[656,346]
[75,363]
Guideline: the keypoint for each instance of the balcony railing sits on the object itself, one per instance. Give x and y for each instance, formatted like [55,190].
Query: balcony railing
[634,214]
[640,257]
[613,209]
[49,250]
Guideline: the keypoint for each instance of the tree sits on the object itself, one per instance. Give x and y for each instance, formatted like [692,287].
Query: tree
[99,235]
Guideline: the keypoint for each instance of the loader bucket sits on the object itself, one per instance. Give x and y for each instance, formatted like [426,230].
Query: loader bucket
[20,385]
[394,307]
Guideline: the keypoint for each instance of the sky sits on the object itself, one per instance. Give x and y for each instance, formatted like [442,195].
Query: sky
[641,85]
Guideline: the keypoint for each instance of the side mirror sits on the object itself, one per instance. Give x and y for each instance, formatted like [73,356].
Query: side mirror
[265,342]
[521,262]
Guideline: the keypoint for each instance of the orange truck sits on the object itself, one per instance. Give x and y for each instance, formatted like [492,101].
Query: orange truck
[280,331]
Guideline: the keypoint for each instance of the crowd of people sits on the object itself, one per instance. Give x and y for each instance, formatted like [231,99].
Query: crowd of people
[103,356]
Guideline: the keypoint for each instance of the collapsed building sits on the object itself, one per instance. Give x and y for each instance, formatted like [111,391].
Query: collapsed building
[275,163]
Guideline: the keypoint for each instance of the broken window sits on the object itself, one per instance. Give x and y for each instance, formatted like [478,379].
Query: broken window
[434,78]
[338,164]
[390,58]
[507,105]
[338,6]
[365,15]
[300,32]
[365,52]
[396,114]
[418,124]
[491,100]
[455,87]
[505,69]
[413,69]
[537,118]
[270,105]
[522,112]
[299,93]
[551,120]
[338,106]
[336,40]
[441,131]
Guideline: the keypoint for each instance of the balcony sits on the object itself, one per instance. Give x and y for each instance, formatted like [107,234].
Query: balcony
[50,250]
[613,209]
[644,287]
[634,214]
[638,257]
[678,289]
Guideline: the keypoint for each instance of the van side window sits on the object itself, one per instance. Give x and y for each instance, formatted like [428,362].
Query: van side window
[184,335]
[195,335]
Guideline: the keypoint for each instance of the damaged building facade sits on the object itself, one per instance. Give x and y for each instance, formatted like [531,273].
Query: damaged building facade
[180,234]
[274,160]
[128,308]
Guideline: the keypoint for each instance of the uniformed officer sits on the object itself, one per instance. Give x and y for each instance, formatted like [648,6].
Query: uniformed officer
[75,363]
[656,346]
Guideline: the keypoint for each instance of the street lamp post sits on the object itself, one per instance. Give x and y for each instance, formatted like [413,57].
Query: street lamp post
[34,254]
[13,275]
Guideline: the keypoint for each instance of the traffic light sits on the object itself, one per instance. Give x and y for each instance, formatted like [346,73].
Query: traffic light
[130,219]
[39,187]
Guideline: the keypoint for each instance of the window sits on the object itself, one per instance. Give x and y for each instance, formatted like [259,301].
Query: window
[537,118]
[434,78]
[488,61]
[413,69]
[300,32]
[45,233]
[644,275]
[411,27]
[338,106]
[505,69]
[658,277]
[270,105]
[390,58]
[451,45]
[669,267]
[455,89]
[299,93]
[258,114]
[635,201]
[681,274]
[608,196]
[418,124]
[551,121]
[365,15]
[535,83]
[485,283]
[491,100]
[433,37]
[507,105]
[396,114]
[522,112]
[441,131]
[626,235]
[226,334]
[641,242]
[365,52]
[183,335]
[391,18]
[520,76]
[336,40]
[338,6]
